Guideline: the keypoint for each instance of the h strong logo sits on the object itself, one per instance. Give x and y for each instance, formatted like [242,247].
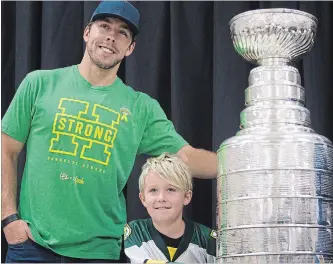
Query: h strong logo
[79,124]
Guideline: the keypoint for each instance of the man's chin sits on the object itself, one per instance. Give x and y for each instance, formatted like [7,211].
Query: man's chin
[106,66]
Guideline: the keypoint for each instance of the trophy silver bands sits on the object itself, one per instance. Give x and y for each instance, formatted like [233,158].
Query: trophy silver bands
[275,181]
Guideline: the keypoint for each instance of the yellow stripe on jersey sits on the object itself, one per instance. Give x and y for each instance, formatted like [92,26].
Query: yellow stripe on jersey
[155,261]
[172,252]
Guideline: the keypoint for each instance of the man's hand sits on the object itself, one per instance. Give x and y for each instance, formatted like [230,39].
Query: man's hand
[17,231]
[203,163]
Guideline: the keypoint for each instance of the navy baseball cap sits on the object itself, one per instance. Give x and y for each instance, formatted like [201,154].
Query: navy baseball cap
[119,9]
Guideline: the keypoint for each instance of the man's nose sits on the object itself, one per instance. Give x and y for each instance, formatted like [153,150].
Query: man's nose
[111,36]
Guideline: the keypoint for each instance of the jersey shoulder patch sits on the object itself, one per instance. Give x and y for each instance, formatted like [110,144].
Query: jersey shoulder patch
[127,231]
[213,234]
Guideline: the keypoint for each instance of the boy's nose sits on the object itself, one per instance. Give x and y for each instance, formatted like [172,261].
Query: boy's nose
[161,196]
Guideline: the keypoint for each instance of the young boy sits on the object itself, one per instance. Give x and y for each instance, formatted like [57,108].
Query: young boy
[165,188]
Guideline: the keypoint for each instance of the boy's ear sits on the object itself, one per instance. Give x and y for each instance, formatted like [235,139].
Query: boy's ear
[142,198]
[188,197]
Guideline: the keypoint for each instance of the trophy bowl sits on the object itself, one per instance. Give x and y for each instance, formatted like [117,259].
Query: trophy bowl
[282,34]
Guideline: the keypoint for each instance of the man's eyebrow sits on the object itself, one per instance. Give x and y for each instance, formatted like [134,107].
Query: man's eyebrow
[125,26]
[107,20]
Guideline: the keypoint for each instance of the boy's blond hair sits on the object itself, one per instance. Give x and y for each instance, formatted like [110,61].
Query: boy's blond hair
[170,168]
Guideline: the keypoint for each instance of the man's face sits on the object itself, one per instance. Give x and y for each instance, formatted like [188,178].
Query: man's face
[108,41]
[164,201]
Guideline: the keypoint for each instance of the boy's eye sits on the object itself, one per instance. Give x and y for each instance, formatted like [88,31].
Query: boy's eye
[171,189]
[153,190]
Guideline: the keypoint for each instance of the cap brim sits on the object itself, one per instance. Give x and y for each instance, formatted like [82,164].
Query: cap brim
[132,27]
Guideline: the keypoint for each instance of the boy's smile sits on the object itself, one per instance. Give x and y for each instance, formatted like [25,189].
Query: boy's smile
[162,208]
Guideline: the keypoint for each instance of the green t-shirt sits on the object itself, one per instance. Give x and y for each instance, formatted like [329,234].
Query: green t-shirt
[82,142]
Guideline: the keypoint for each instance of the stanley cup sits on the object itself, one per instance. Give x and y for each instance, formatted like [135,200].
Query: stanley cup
[275,180]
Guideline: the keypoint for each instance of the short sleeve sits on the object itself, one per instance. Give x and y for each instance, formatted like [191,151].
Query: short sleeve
[159,134]
[17,119]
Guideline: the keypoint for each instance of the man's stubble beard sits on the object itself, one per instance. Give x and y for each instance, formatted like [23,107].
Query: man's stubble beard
[100,64]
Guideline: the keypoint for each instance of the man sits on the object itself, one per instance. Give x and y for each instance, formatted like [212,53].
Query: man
[83,128]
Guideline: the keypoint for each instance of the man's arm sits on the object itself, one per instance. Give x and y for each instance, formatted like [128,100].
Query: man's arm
[203,163]
[10,150]
[17,231]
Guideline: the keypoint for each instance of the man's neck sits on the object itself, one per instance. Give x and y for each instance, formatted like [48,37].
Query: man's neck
[95,75]
[175,229]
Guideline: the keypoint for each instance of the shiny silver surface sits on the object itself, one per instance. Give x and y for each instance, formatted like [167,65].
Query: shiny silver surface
[280,33]
[275,181]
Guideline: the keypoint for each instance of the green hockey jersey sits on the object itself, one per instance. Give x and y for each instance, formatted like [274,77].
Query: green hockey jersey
[144,244]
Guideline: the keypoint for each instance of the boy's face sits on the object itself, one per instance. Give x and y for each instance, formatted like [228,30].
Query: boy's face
[164,201]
